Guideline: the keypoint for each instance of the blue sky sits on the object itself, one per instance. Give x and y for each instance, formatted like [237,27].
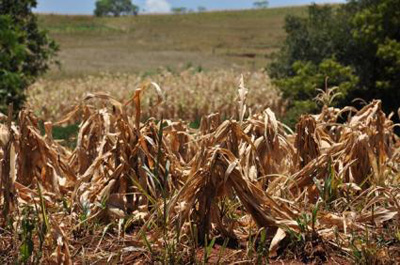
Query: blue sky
[87,6]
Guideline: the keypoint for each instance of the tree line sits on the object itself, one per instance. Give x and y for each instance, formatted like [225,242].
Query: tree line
[354,47]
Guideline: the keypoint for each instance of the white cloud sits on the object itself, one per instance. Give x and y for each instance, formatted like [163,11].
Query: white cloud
[158,6]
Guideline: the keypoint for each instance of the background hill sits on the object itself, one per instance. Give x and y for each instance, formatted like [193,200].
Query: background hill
[228,39]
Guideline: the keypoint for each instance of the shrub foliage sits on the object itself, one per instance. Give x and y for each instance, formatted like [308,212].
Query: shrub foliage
[25,51]
[356,45]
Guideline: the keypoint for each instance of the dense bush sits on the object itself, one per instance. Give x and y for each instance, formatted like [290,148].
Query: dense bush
[308,77]
[24,51]
[356,45]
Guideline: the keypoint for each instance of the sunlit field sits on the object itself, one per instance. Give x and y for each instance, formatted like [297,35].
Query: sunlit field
[242,189]
[160,139]
[188,95]
[212,40]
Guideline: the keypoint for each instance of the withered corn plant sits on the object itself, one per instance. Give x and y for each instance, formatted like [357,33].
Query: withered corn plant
[246,189]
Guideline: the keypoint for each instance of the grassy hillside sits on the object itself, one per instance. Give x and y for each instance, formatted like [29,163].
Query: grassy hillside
[229,39]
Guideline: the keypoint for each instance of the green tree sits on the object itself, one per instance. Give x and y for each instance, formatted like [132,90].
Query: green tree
[115,8]
[376,31]
[361,38]
[25,51]
[302,88]
[261,4]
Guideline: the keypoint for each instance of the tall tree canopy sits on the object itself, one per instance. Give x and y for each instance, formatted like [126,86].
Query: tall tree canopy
[115,8]
[261,4]
[356,45]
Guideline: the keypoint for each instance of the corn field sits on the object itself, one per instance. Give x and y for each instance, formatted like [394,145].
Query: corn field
[246,189]
[189,94]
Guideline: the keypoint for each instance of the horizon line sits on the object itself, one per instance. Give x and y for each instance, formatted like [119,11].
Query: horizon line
[207,11]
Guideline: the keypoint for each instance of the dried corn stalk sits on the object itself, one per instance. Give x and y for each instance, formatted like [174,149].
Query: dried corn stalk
[124,168]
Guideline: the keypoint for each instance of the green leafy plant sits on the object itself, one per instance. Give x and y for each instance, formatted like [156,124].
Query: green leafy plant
[207,250]
[328,192]
[26,236]
[25,51]
[355,45]
[262,249]
[306,85]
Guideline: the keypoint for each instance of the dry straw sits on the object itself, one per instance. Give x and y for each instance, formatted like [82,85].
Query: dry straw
[156,190]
